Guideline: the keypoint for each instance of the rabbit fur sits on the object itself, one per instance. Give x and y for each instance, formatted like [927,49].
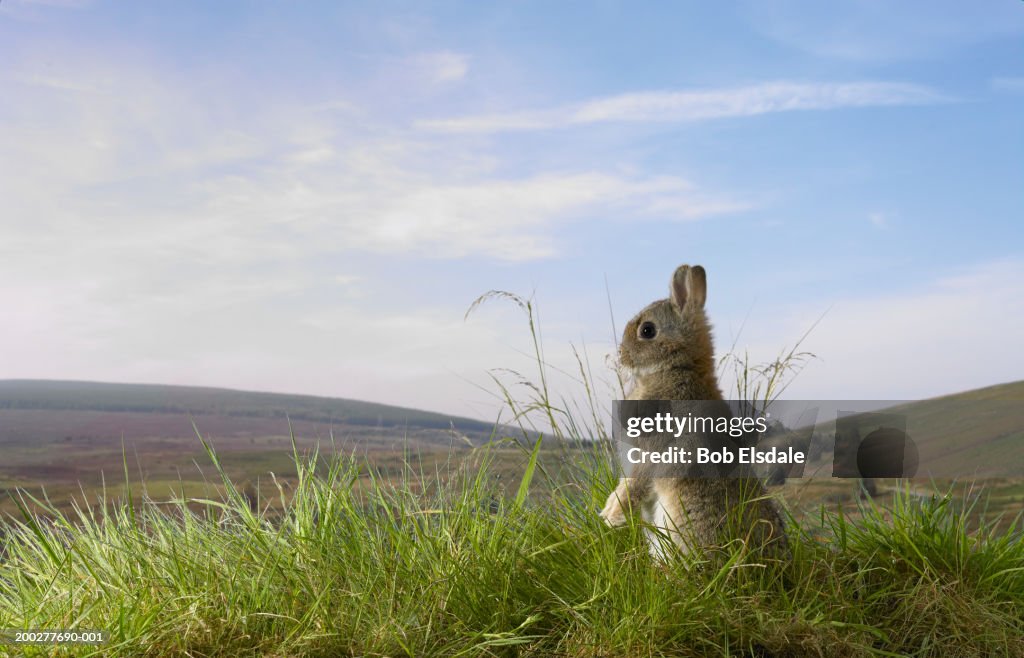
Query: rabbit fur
[677,363]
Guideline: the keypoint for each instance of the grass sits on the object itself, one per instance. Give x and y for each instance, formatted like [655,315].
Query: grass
[469,569]
[448,559]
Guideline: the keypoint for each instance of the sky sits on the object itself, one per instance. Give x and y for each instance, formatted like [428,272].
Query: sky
[307,197]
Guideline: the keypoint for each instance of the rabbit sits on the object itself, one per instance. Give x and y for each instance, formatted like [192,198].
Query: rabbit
[668,348]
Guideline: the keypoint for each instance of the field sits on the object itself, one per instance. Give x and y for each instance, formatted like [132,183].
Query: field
[71,437]
[469,565]
[253,537]
[79,437]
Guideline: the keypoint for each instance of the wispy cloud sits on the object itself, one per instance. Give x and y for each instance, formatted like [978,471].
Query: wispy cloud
[161,237]
[696,105]
[510,219]
[182,208]
[244,186]
[134,211]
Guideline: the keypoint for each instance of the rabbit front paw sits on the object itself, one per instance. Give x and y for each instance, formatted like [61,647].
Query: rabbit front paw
[613,514]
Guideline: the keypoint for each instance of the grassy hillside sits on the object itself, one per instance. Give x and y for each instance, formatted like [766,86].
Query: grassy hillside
[970,434]
[442,557]
[68,437]
[468,568]
[196,400]
[979,431]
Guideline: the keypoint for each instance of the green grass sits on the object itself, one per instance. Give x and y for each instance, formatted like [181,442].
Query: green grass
[470,569]
[449,559]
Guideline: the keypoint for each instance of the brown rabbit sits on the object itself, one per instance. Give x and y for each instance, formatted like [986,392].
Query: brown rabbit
[668,348]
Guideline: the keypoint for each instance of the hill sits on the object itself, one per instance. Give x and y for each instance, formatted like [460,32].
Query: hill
[979,431]
[63,435]
[975,433]
[52,395]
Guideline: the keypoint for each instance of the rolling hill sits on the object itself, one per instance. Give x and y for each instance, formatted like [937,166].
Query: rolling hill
[66,434]
[63,435]
[55,395]
[975,433]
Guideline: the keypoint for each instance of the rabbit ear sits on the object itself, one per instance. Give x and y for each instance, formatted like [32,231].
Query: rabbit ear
[689,286]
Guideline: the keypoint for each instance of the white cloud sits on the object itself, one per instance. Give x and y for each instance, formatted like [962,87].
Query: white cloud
[958,333]
[491,123]
[153,235]
[356,207]
[298,183]
[696,105]
[752,100]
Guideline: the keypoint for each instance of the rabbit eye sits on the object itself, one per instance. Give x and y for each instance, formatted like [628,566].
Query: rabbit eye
[648,330]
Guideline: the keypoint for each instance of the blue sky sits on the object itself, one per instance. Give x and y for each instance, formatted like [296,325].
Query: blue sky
[307,197]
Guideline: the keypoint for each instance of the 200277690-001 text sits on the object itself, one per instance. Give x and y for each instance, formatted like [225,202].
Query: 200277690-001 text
[61,636]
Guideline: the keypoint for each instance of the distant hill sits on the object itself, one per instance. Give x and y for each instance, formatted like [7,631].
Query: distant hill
[979,432]
[54,395]
[65,435]
[1012,391]
[37,413]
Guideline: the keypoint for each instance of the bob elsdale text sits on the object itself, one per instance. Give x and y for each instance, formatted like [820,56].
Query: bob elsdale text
[746,455]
